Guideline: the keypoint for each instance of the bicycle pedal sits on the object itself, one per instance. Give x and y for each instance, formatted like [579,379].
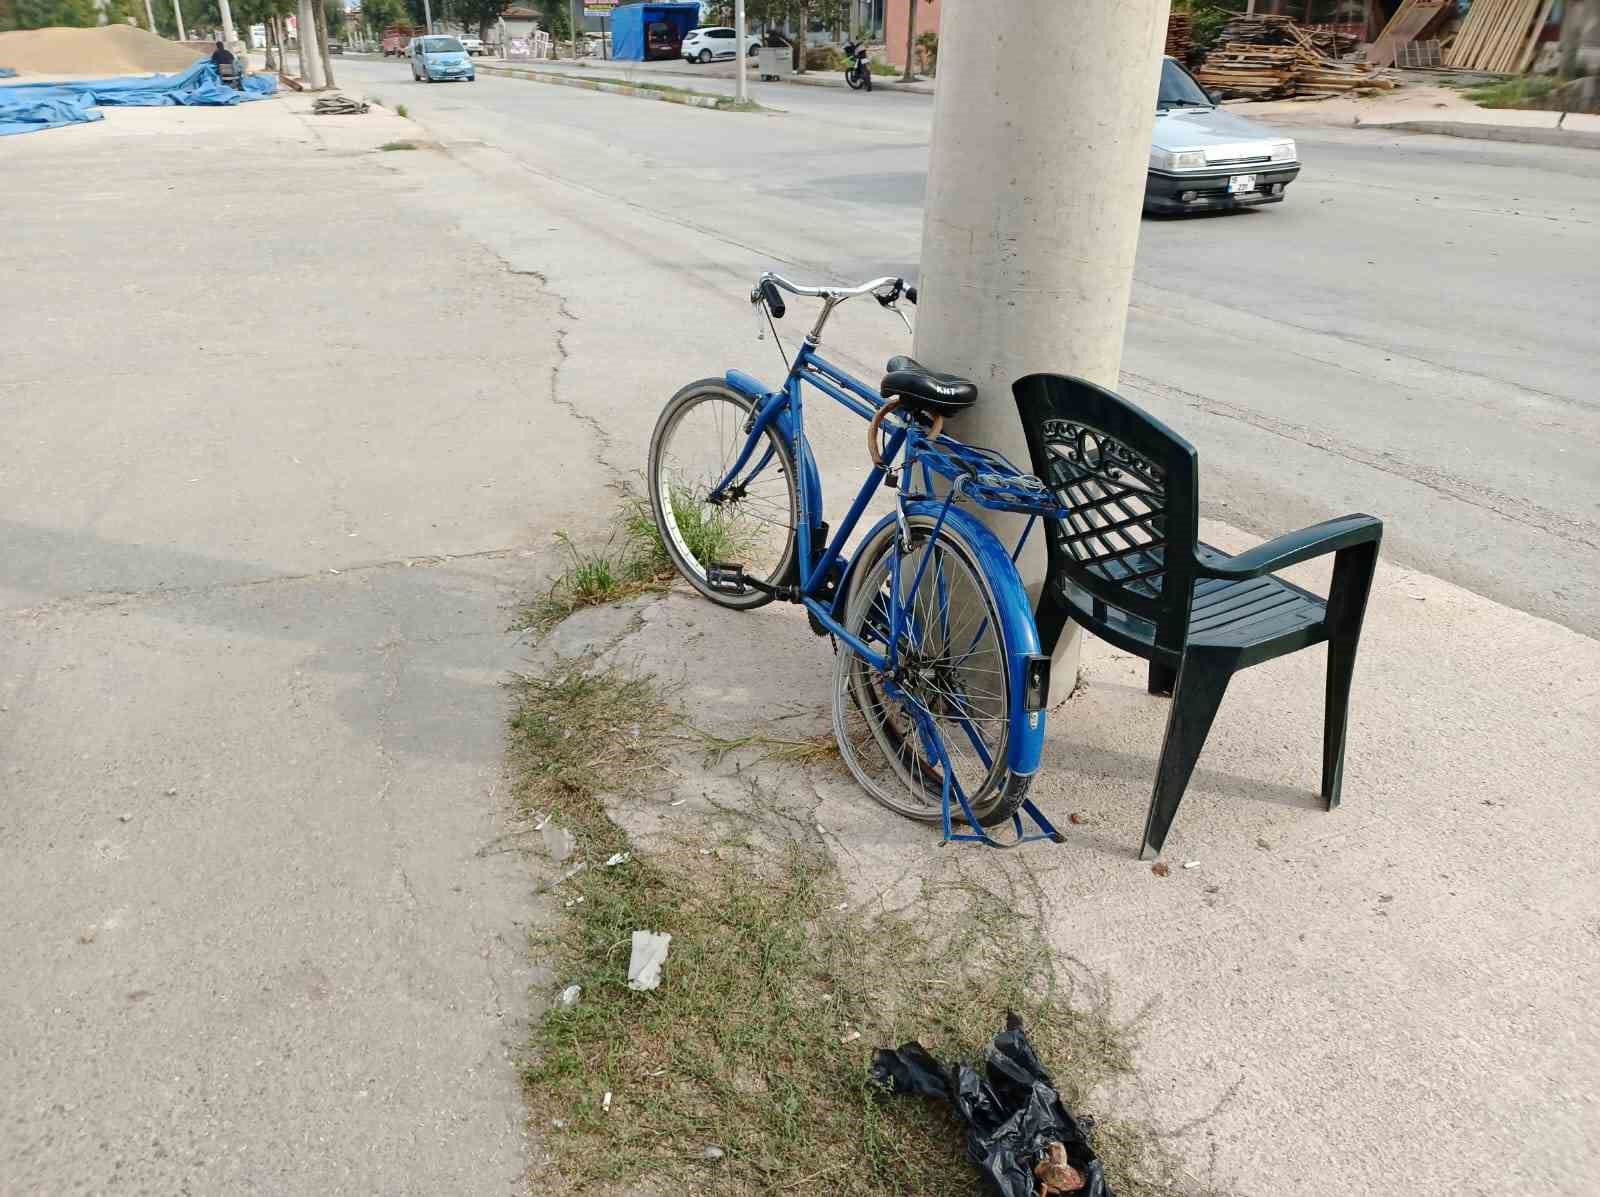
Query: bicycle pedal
[727,578]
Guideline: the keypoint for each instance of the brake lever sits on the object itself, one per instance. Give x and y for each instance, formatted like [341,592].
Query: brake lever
[895,308]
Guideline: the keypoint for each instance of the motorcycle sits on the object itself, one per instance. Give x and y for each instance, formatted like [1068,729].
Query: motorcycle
[857,74]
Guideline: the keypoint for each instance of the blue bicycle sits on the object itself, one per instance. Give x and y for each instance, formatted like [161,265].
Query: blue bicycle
[939,685]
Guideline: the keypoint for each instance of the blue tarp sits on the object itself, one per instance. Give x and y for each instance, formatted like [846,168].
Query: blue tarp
[29,107]
[628,25]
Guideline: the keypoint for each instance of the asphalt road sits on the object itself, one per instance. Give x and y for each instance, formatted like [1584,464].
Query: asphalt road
[1411,333]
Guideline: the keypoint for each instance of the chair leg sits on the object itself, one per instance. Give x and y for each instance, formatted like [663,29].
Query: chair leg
[1341,668]
[1162,679]
[1202,681]
[1347,607]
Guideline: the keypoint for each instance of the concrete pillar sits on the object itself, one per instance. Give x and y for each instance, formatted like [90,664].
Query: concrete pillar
[740,30]
[150,16]
[310,58]
[228,35]
[177,16]
[1041,143]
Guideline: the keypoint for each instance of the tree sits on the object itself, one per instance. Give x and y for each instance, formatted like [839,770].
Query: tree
[42,14]
[555,18]
[481,13]
[380,14]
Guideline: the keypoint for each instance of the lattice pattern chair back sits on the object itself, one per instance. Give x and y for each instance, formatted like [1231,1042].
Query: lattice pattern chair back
[1122,562]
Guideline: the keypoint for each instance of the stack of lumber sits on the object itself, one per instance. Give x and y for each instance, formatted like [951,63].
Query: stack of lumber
[1499,35]
[1180,36]
[1269,57]
[1411,20]
[1330,40]
[1244,69]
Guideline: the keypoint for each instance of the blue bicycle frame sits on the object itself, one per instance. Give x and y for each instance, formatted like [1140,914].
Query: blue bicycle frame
[823,570]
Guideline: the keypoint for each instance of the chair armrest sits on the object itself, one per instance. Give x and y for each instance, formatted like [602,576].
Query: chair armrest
[1290,549]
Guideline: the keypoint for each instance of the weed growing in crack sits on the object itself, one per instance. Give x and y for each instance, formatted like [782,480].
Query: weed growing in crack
[745,1071]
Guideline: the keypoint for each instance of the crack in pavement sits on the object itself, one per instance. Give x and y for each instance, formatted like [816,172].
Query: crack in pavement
[94,599]
[563,356]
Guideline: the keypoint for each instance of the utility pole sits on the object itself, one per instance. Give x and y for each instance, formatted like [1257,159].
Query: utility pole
[320,11]
[1573,20]
[427,16]
[150,16]
[742,91]
[177,14]
[1036,173]
[310,61]
[228,35]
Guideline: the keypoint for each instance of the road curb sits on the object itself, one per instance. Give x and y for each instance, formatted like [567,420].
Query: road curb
[810,80]
[1575,138]
[637,91]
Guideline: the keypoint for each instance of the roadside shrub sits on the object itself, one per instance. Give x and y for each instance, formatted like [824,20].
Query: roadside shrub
[928,53]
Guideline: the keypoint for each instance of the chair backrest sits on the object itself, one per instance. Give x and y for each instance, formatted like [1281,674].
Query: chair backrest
[1123,560]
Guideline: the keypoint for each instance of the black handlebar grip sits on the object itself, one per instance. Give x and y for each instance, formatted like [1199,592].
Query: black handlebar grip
[911,294]
[769,292]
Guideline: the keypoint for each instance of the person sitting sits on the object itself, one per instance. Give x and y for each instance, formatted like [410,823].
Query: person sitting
[222,56]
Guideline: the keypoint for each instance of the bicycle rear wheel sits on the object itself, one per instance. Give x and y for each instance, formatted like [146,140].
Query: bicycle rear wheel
[943,714]
[697,439]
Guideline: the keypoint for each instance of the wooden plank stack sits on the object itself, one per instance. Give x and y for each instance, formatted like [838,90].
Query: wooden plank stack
[1268,57]
[1410,21]
[1180,36]
[1499,35]
[1331,41]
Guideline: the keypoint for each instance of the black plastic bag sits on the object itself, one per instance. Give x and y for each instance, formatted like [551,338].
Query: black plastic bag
[1012,1111]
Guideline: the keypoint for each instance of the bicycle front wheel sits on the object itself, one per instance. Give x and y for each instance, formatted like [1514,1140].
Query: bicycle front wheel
[752,521]
[942,714]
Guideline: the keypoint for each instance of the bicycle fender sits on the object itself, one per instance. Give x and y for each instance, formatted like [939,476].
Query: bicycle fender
[1026,742]
[810,478]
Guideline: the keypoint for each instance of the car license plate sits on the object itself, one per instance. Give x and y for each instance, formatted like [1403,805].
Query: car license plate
[1239,183]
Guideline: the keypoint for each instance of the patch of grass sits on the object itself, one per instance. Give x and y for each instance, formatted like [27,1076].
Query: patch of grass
[402,111]
[883,69]
[773,996]
[729,104]
[634,559]
[1512,93]
[709,533]
[595,577]
[399,145]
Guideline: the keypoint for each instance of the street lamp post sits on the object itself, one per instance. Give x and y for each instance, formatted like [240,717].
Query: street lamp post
[743,88]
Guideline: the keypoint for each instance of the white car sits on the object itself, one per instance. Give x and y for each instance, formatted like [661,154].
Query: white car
[717,41]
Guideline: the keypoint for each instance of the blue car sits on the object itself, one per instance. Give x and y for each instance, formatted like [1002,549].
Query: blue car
[436,58]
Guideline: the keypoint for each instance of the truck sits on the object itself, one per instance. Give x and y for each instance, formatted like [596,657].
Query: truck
[397,37]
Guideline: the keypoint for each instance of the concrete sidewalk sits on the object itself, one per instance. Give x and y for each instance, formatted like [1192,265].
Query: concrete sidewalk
[1429,109]
[268,508]
[1393,997]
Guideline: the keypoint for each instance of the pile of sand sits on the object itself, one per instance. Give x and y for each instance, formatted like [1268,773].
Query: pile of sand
[107,50]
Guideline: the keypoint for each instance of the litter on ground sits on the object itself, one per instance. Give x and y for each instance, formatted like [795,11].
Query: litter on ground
[649,954]
[1021,1138]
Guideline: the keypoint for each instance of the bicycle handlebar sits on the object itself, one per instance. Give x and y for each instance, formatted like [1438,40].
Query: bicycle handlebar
[833,293]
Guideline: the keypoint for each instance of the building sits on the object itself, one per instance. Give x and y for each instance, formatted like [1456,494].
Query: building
[896,13]
[519,22]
